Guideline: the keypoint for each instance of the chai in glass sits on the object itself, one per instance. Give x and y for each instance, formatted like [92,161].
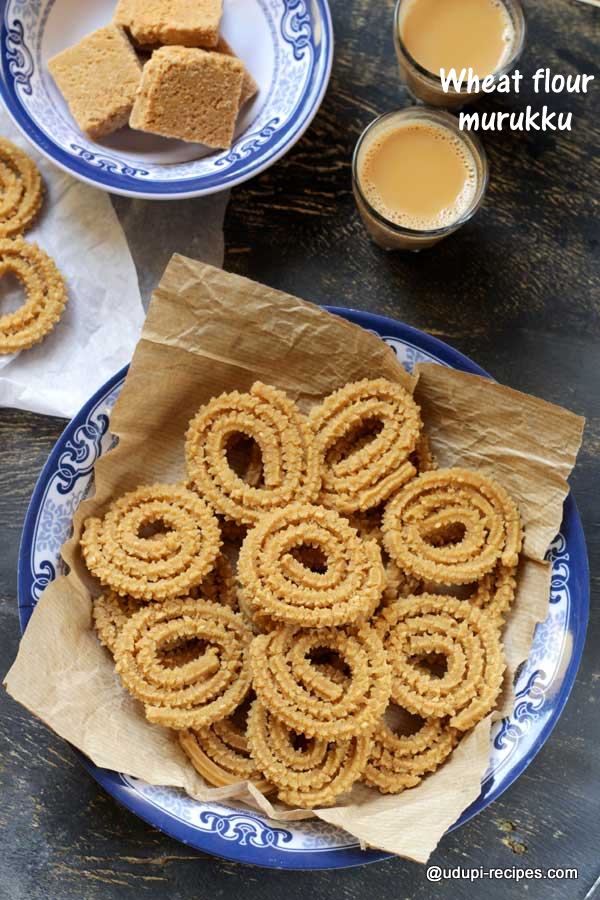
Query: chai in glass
[417,178]
[484,36]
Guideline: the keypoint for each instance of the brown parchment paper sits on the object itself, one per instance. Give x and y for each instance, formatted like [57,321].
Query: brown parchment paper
[207,332]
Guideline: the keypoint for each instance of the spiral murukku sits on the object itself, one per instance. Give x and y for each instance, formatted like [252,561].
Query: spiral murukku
[495,592]
[307,772]
[452,526]
[21,190]
[154,543]
[277,580]
[46,295]
[288,468]
[468,639]
[290,680]
[401,761]
[210,681]
[365,434]
[220,753]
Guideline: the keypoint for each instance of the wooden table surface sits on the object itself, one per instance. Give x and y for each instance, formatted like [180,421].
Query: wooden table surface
[517,290]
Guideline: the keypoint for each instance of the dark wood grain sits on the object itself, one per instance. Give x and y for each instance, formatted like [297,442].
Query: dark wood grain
[518,290]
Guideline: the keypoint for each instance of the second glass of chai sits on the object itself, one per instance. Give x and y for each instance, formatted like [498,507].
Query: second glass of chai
[417,177]
[486,36]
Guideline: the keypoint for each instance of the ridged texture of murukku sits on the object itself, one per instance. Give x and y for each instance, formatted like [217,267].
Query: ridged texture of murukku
[365,434]
[443,626]
[307,772]
[288,466]
[45,295]
[278,582]
[21,190]
[452,526]
[495,592]
[110,612]
[332,701]
[397,582]
[220,753]
[399,761]
[209,685]
[164,564]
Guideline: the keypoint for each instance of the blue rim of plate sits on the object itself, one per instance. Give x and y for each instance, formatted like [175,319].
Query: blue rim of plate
[271,148]
[242,850]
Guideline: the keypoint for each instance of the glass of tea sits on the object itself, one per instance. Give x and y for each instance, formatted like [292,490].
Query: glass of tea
[486,36]
[417,177]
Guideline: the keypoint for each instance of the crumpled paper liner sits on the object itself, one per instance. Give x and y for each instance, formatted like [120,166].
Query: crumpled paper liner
[207,332]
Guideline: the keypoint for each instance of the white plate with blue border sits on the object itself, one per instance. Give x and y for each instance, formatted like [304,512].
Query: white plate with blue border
[542,686]
[287,45]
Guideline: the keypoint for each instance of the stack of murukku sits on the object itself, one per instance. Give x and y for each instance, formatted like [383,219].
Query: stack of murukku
[21,195]
[318,604]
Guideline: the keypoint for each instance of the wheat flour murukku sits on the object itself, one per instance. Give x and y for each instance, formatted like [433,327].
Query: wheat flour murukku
[220,752]
[468,639]
[21,189]
[401,761]
[365,433]
[209,682]
[277,580]
[452,526]
[307,772]
[289,679]
[288,468]
[154,543]
[45,295]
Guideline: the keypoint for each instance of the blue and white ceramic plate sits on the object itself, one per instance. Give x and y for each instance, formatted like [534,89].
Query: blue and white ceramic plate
[287,46]
[542,687]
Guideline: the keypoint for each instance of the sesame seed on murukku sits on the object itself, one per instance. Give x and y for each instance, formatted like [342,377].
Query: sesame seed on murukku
[154,543]
[452,526]
[278,581]
[45,295]
[22,190]
[288,469]
[307,772]
[365,433]
[466,638]
[208,684]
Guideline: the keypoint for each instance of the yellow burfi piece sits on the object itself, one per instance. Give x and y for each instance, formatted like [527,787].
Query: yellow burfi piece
[190,94]
[99,78]
[187,23]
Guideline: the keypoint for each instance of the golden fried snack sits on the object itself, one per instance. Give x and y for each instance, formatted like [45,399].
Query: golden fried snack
[397,582]
[46,295]
[307,772]
[468,638]
[364,434]
[399,761]
[110,613]
[452,526]
[289,679]
[278,582]
[212,678]
[288,470]
[495,592]
[220,753]
[154,543]
[21,190]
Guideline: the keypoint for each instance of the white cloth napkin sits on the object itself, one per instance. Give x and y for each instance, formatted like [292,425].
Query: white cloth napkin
[101,324]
